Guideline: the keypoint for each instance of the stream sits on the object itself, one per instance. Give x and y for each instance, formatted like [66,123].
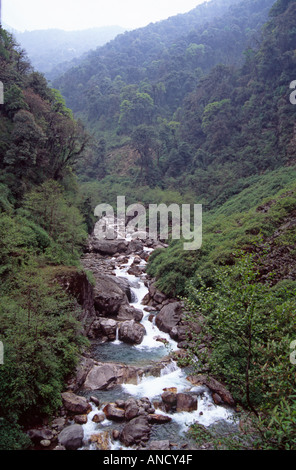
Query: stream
[149,351]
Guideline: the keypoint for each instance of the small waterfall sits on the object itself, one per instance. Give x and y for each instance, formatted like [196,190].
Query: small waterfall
[117,340]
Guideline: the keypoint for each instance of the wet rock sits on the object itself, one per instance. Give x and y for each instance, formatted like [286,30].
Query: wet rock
[71,437]
[131,332]
[159,445]
[136,431]
[169,400]
[136,270]
[215,386]
[95,400]
[99,418]
[131,409]
[159,297]
[115,434]
[159,419]
[169,317]
[120,403]
[186,402]
[114,413]
[80,419]
[135,246]
[124,285]
[75,404]
[128,312]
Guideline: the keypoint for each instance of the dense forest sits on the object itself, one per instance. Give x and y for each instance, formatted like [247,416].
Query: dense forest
[194,109]
[42,227]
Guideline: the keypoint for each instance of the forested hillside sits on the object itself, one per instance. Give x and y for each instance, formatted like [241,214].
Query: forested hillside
[42,230]
[53,51]
[143,76]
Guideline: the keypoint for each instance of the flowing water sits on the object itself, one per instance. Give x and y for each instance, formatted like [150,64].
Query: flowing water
[148,352]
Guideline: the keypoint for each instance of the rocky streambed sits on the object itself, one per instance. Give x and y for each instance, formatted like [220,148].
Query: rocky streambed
[128,391]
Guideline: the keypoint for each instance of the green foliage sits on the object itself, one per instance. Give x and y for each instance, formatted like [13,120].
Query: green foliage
[40,225]
[251,330]
[40,332]
[62,221]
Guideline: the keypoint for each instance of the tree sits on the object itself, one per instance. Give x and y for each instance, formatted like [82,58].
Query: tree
[143,140]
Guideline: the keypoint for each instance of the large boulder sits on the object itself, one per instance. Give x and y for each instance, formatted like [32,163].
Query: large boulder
[186,402]
[108,247]
[105,376]
[136,431]
[101,377]
[169,317]
[71,437]
[108,328]
[128,312]
[108,295]
[75,404]
[169,399]
[131,332]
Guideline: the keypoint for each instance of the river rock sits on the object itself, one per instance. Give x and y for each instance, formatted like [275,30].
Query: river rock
[108,247]
[215,386]
[71,437]
[159,419]
[128,312]
[108,328]
[108,295]
[114,413]
[124,285]
[75,403]
[105,376]
[159,445]
[131,332]
[170,400]
[101,377]
[80,419]
[136,269]
[169,317]
[99,418]
[131,409]
[136,431]
[186,402]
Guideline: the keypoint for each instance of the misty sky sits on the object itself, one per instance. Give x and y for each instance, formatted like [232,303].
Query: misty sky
[82,14]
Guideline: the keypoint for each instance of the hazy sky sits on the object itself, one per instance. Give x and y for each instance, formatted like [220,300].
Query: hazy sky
[81,14]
